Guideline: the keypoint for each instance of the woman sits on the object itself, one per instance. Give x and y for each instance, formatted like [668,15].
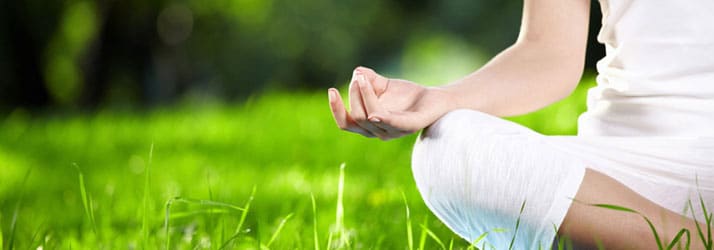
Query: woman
[646,141]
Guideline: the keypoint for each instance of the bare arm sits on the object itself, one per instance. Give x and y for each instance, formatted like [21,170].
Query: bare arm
[541,67]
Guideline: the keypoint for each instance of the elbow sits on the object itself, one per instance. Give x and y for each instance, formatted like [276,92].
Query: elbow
[569,83]
[571,71]
[564,89]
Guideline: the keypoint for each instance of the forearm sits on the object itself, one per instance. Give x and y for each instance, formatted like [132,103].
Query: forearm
[523,78]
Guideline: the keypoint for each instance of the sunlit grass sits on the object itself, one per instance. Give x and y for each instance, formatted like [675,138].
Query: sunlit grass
[262,174]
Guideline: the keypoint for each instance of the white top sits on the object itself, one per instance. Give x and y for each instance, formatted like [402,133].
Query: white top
[657,78]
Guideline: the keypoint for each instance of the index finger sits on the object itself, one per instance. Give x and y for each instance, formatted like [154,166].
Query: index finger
[369,97]
[342,118]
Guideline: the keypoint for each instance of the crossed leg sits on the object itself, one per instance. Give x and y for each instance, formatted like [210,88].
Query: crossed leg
[589,226]
[475,171]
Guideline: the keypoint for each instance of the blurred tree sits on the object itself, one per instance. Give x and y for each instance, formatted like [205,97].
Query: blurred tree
[82,53]
[23,37]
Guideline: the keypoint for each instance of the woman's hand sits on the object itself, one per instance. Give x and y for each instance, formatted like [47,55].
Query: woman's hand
[387,108]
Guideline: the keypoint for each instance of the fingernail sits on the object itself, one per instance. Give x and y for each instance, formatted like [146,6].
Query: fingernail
[331,95]
[355,74]
[364,81]
[375,119]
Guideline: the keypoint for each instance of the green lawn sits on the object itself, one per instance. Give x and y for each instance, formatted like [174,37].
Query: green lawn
[284,146]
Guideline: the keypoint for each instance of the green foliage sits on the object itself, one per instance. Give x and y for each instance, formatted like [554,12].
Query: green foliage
[62,70]
[84,54]
[276,155]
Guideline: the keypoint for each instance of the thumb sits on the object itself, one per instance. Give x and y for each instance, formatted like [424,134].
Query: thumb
[379,82]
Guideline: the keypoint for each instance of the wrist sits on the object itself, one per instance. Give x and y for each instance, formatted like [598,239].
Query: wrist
[442,99]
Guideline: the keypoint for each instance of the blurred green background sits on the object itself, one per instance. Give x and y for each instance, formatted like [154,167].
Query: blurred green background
[231,97]
[87,54]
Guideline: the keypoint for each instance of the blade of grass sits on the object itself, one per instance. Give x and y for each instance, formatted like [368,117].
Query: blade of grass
[433,236]
[422,236]
[86,200]
[277,230]
[615,207]
[246,208]
[314,223]
[145,202]
[629,210]
[518,223]
[678,237]
[241,221]
[223,232]
[208,203]
[600,245]
[473,244]
[479,239]
[329,241]
[451,244]
[168,216]
[699,229]
[210,220]
[654,232]
[708,244]
[179,215]
[340,210]
[16,211]
[36,240]
[410,234]
[1,241]
[559,239]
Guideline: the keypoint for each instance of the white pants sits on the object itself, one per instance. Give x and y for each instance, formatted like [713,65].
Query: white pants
[475,171]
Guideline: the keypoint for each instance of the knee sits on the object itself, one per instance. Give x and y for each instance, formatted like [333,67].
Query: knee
[475,171]
[443,140]
[464,132]
[461,145]
[460,162]
[461,122]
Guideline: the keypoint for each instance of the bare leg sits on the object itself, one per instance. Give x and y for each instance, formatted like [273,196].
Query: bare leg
[588,226]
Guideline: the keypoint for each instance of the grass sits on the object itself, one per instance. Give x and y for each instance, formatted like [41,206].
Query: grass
[86,200]
[258,175]
[682,236]
[145,202]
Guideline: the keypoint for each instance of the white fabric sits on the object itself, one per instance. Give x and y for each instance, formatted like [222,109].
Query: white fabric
[649,125]
[474,171]
[657,77]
